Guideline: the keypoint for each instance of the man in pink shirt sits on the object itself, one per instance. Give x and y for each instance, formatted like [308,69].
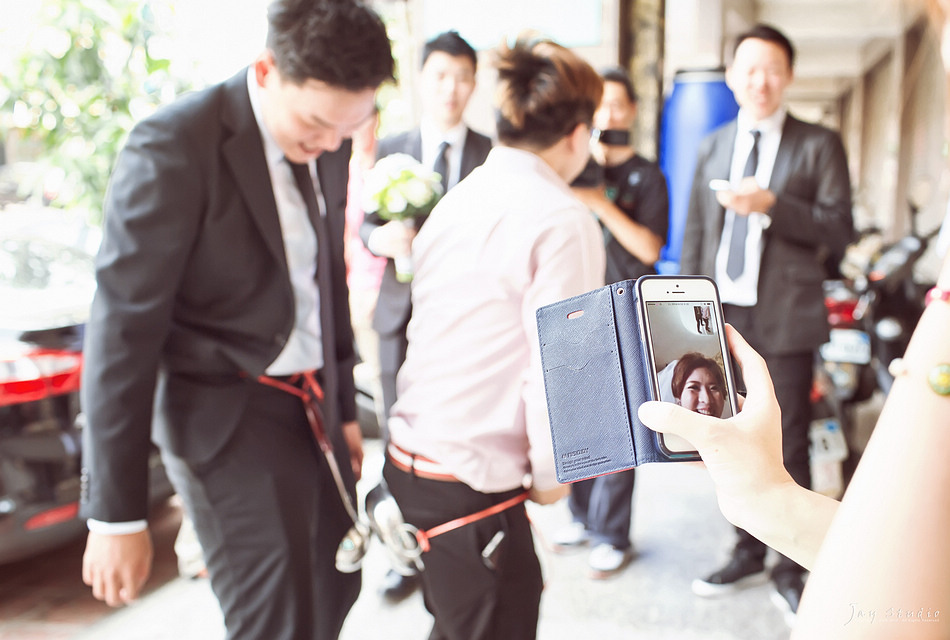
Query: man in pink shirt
[469,431]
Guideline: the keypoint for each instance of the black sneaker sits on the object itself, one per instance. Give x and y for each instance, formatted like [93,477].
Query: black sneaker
[741,572]
[787,590]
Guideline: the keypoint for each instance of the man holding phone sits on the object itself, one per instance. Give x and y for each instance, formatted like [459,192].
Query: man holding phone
[766,239]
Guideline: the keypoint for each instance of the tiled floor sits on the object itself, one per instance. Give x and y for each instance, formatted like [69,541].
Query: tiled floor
[678,535]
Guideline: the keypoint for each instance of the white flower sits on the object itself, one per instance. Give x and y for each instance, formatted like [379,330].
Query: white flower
[418,193]
[394,202]
[399,187]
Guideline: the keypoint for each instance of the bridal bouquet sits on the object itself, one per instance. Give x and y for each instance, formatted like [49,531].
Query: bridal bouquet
[399,188]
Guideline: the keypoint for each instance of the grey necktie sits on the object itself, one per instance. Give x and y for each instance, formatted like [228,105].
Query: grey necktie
[441,165]
[740,224]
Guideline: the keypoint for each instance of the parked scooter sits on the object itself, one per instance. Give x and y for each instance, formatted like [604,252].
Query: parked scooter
[872,316]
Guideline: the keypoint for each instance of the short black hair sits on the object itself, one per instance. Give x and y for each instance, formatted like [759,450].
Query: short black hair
[769,34]
[452,43]
[342,43]
[544,91]
[620,76]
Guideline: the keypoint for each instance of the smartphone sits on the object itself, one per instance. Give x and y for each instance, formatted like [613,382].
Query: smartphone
[720,185]
[682,328]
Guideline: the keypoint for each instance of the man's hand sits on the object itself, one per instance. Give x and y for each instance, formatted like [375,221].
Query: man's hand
[354,442]
[392,240]
[743,453]
[747,198]
[548,496]
[117,566]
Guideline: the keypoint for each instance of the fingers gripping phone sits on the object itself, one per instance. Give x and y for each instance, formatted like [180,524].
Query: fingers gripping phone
[682,328]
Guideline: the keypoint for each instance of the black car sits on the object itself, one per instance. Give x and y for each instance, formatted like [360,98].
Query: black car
[46,285]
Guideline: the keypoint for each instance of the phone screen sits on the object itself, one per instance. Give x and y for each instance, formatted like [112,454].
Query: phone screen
[686,349]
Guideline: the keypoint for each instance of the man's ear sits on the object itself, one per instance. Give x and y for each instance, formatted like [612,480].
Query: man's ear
[580,136]
[264,65]
[729,82]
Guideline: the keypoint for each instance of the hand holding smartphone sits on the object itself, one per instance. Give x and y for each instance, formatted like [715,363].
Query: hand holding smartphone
[688,358]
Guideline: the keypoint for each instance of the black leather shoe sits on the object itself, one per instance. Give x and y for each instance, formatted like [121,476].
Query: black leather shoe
[741,572]
[787,590]
[397,587]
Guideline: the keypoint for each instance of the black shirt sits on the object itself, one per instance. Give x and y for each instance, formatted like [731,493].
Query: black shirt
[638,188]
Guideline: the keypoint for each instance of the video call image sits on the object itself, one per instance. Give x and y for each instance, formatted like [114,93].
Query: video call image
[688,357]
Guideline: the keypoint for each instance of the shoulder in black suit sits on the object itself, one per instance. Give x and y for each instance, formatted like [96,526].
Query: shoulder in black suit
[811,221]
[193,291]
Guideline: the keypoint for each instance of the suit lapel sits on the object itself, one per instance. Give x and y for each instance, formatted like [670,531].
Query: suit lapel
[244,153]
[788,145]
[468,154]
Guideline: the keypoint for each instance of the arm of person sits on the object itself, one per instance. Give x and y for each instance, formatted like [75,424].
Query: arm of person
[392,239]
[636,238]
[117,566]
[884,570]
[822,218]
[570,259]
[387,238]
[744,457]
[138,268]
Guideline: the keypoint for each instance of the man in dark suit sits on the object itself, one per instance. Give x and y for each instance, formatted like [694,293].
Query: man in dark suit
[221,262]
[444,142]
[766,240]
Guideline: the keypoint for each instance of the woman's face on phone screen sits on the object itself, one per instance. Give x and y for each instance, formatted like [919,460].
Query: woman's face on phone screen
[702,393]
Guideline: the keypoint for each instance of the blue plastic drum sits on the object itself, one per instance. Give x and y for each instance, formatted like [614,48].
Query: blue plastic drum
[699,103]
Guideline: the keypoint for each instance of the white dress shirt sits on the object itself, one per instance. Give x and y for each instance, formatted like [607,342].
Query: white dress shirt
[432,139]
[508,239]
[744,290]
[303,350]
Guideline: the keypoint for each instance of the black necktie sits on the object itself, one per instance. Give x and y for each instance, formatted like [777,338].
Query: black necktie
[305,184]
[441,165]
[740,224]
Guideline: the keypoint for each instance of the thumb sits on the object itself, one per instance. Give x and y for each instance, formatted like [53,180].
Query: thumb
[667,417]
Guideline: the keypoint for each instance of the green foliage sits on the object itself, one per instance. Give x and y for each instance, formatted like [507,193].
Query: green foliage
[90,72]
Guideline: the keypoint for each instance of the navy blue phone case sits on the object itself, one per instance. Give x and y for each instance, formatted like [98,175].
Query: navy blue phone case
[595,379]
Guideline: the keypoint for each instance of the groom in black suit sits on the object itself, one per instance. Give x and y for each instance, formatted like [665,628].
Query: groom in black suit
[767,242]
[221,262]
[443,142]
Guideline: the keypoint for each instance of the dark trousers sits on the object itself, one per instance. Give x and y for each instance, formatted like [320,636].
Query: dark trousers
[605,506]
[392,353]
[792,378]
[472,597]
[269,519]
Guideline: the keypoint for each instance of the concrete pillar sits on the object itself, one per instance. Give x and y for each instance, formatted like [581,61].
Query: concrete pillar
[643,41]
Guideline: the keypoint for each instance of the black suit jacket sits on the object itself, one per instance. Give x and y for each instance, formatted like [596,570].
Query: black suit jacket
[393,306]
[811,223]
[194,297]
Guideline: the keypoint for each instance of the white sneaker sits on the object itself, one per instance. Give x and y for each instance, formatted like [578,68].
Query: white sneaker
[570,535]
[606,559]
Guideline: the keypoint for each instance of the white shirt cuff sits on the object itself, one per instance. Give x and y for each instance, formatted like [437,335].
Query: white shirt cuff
[116,528]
